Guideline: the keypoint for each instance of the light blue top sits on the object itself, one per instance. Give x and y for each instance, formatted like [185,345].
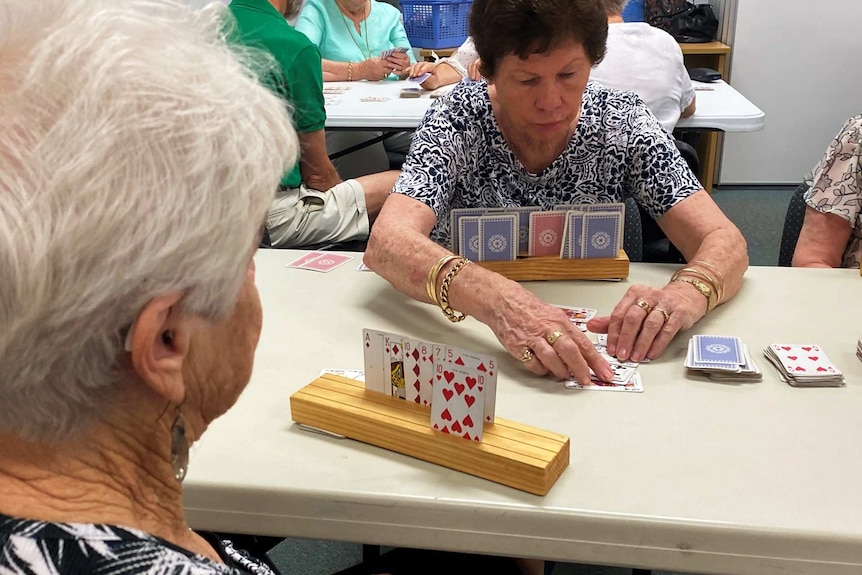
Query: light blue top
[336,37]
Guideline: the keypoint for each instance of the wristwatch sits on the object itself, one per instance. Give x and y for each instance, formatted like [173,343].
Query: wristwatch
[702,287]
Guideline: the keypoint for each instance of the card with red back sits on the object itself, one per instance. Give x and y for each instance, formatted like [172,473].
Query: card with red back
[485,367]
[457,405]
[326,262]
[302,260]
[546,233]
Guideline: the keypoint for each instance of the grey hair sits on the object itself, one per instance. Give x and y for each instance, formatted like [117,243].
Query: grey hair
[138,156]
[613,7]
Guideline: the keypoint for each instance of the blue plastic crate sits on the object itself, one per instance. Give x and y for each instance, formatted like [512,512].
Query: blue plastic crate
[436,23]
[634,11]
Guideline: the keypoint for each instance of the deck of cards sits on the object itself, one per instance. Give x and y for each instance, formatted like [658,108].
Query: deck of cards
[626,376]
[567,231]
[723,358]
[459,386]
[804,365]
[319,261]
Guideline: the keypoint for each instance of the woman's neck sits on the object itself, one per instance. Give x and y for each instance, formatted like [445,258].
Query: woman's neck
[108,476]
[356,11]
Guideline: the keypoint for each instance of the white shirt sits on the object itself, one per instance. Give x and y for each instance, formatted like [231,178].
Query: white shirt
[647,61]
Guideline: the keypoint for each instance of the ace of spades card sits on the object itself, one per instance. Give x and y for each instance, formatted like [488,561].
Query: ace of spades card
[457,407]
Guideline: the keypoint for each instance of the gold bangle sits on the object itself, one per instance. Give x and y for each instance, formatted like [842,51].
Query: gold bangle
[700,286]
[350,71]
[450,313]
[718,273]
[433,274]
[716,287]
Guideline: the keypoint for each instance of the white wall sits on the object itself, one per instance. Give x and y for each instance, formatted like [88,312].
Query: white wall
[799,62]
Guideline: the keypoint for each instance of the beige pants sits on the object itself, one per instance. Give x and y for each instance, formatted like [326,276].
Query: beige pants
[302,217]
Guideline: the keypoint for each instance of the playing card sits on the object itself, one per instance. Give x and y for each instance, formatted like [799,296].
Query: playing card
[355,374]
[468,237]
[717,349]
[601,237]
[485,367]
[302,260]
[574,234]
[412,372]
[498,237]
[546,233]
[457,406]
[578,314]
[375,371]
[618,208]
[634,384]
[709,366]
[394,363]
[807,359]
[421,78]
[523,225]
[326,262]
[454,217]
[426,371]
[385,54]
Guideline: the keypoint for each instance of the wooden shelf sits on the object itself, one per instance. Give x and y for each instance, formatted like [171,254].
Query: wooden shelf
[714,47]
[554,268]
[510,453]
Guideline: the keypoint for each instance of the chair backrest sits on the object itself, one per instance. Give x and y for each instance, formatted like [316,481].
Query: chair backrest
[792,226]
[632,234]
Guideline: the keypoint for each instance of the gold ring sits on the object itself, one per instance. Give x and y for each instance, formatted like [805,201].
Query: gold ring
[663,312]
[644,306]
[553,337]
[526,356]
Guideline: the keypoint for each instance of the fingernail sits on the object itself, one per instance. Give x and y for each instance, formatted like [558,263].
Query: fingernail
[607,375]
[621,353]
[635,357]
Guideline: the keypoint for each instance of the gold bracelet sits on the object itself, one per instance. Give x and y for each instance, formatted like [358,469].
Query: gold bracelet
[718,273]
[700,286]
[350,71]
[450,313]
[716,287]
[433,274]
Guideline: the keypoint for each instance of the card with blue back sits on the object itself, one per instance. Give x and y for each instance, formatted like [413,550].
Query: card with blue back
[468,237]
[498,237]
[721,349]
[601,235]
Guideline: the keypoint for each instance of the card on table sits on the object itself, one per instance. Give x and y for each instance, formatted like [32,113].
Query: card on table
[498,237]
[578,314]
[717,349]
[804,365]
[326,262]
[457,407]
[393,357]
[601,236]
[375,370]
[302,260]
[468,237]
[634,384]
[546,233]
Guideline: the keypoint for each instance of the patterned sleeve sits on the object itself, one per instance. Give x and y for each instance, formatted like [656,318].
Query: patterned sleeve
[657,173]
[430,171]
[462,57]
[837,178]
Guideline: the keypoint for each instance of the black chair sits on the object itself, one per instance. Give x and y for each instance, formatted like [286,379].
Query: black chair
[792,226]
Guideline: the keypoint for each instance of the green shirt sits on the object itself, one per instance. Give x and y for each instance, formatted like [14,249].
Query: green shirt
[259,25]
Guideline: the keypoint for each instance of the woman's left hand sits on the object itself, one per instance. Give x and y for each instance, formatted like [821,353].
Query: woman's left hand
[645,321]
[400,63]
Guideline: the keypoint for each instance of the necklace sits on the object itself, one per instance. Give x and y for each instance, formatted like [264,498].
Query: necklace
[367,51]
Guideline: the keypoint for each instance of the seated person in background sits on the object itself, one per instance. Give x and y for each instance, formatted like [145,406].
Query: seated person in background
[463,63]
[647,61]
[538,134]
[132,195]
[831,234]
[351,34]
[313,205]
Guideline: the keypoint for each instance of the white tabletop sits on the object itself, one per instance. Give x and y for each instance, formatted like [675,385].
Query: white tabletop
[378,106]
[688,476]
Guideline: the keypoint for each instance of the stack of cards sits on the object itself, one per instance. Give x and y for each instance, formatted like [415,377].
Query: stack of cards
[319,261]
[386,53]
[626,376]
[460,386]
[804,365]
[568,231]
[579,316]
[723,358]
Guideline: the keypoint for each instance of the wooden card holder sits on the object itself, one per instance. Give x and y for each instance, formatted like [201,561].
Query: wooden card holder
[554,268]
[510,453]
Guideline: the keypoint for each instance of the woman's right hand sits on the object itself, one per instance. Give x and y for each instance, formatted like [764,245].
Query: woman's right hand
[375,69]
[473,70]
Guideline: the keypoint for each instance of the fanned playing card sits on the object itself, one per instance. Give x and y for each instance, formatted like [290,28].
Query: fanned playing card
[458,406]
[601,235]
[412,370]
[498,237]
[468,237]
[546,233]
[375,369]
[485,368]
[394,363]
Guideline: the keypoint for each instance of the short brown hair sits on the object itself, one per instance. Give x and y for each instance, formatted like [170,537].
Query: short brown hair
[524,27]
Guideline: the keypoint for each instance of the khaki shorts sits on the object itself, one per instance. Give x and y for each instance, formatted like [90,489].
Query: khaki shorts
[303,217]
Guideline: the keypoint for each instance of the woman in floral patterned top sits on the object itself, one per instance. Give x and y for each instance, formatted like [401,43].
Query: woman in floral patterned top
[831,234]
[132,195]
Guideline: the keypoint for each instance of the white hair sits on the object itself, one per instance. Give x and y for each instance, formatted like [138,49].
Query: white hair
[138,156]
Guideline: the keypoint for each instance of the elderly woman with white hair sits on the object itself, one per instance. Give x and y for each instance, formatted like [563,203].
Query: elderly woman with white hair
[132,196]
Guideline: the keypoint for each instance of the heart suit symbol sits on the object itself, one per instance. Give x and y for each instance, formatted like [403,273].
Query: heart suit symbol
[459,388]
[448,393]
[469,400]
[446,415]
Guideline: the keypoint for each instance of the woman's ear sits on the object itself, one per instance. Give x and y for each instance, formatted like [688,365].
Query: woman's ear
[159,343]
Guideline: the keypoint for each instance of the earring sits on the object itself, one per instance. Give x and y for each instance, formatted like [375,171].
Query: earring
[179,448]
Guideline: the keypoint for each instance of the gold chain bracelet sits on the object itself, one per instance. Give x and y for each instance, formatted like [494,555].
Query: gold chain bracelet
[450,313]
[350,71]
[433,274]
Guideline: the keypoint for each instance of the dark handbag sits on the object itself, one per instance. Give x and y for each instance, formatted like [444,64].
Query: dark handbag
[658,13]
[693,23]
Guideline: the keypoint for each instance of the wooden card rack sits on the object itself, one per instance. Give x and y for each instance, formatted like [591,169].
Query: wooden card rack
[554,268]
[513,454]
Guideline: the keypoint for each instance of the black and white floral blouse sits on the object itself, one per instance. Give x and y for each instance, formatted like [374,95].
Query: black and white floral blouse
[459,158]
[40,548]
